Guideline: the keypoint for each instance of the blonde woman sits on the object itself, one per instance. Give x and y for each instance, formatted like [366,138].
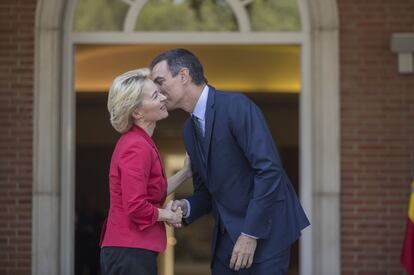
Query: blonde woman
[135,232]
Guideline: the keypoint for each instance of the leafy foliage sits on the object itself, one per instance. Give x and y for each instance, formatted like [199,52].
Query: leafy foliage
[274,15]
[187,15]
[100,15]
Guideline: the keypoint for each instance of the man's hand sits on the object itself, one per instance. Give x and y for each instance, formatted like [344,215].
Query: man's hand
[243,252]
[169,216]
[181,204]
[178,205]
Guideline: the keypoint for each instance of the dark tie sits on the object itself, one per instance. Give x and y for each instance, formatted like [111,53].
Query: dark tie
[199,135]
[199,128]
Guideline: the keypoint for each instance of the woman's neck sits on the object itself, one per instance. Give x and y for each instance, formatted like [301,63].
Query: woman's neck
[147,126]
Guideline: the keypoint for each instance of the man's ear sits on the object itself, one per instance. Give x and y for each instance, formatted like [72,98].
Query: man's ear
[185,75]
[136,114]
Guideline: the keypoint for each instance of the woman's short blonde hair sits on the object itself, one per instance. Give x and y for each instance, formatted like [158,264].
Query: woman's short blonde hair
[124,96]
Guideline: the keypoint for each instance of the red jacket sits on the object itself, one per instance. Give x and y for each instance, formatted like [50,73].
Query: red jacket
[137,187]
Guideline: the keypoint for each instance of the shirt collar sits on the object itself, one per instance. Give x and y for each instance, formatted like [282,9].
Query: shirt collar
[200,107]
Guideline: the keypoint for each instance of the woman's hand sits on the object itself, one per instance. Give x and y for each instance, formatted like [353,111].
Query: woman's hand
[187,166]
[181,176]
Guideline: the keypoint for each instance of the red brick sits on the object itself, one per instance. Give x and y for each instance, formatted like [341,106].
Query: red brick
[16,97]
[377,129]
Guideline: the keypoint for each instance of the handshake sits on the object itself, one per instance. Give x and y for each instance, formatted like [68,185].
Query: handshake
[173,213]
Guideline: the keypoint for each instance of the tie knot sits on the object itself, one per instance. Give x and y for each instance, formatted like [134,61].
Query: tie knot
[198,126]
[195,118]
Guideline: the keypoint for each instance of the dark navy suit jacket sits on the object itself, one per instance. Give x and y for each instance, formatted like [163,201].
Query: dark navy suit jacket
[241,179]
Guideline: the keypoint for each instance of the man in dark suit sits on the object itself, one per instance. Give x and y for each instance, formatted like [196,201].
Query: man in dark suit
[237,173]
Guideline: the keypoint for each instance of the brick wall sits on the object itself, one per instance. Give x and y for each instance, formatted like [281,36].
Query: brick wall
[377,130]
[16,104]
[377,114]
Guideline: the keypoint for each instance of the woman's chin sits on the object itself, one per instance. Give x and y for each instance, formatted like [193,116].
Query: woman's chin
[164,115]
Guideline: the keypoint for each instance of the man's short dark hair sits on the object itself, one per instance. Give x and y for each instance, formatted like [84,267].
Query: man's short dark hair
[182,58]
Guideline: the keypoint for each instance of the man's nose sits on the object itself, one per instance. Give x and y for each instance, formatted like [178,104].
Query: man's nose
[162,97]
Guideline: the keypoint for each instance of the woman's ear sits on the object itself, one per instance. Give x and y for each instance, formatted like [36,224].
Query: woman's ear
[136,114]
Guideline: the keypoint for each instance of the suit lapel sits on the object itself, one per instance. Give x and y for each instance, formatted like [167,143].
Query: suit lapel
[210,114]
[162,165]
[150,141]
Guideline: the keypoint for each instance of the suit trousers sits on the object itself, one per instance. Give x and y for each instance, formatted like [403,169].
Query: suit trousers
[278,265]
[128,261]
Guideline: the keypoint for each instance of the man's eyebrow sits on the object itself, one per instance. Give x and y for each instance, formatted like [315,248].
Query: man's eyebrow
[158,79]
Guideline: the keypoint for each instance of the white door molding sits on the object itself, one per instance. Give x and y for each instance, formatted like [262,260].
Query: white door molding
[325,123]
[46,137]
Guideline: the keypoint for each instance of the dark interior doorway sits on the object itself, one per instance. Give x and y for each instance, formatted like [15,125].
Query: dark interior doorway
[95,142]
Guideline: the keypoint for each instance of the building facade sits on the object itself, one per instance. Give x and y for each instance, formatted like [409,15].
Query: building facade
[357,116]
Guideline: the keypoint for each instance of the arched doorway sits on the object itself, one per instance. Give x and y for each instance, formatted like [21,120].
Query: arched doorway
[54,137]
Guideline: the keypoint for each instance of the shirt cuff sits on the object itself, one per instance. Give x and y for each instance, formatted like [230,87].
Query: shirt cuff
[188,209]
[253,237]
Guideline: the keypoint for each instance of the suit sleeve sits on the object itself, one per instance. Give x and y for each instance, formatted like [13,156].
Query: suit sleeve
[135,166]
[253,136]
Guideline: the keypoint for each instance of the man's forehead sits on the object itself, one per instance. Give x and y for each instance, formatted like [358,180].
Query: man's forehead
[160,69]
[161,66]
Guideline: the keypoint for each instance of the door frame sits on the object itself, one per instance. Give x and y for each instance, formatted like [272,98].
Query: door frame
[54,128]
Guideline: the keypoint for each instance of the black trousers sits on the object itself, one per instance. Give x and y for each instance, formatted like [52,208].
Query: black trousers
[128,261]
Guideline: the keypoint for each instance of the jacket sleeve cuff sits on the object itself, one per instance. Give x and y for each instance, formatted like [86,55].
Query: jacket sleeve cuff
[258,221]
[153,220]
